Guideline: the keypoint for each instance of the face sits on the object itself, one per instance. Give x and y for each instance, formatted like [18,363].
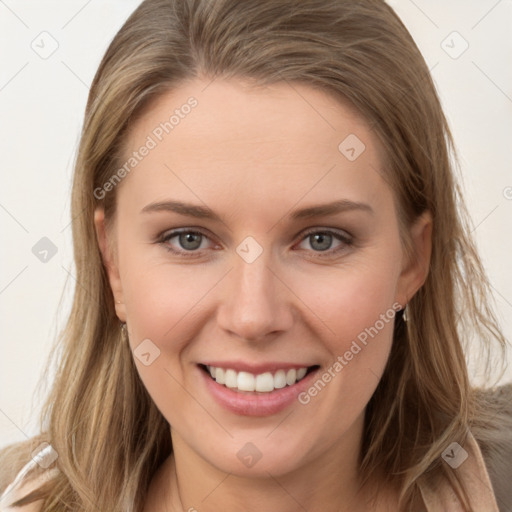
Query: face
[257,238]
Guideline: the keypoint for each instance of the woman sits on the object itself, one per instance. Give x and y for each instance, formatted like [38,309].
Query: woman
[303,355]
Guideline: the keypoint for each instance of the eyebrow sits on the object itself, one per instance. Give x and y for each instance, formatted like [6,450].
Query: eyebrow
[203,212]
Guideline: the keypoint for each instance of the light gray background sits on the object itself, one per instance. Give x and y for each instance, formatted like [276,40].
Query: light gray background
[41,110]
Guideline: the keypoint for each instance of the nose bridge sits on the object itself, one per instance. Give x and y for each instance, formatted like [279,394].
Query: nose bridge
[254,283]
[255,304]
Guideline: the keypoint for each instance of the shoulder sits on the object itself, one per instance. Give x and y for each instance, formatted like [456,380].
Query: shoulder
[22,471]
[492,429]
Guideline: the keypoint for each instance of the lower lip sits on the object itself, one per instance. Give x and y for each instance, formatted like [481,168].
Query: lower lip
[253,403]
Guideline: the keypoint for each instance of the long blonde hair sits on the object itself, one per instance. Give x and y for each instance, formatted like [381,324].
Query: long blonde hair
[109,435]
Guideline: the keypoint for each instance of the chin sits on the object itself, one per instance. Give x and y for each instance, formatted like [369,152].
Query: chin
[256,459]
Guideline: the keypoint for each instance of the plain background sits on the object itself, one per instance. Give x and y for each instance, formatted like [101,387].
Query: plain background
[42,100]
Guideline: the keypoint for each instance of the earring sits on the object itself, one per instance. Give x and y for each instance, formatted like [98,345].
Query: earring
[404,314]
[124,331]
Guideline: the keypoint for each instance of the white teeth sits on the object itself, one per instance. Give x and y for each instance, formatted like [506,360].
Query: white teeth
[263,382]
[245,381]
[230,379]
[280,379]
[220,375]
[291,377]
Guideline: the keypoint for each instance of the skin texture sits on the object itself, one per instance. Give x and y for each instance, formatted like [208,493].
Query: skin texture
[253,156]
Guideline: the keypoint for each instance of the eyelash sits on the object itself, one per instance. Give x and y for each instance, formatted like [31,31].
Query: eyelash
[165,237]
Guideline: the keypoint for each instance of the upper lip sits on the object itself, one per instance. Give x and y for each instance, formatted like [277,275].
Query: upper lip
[255,368]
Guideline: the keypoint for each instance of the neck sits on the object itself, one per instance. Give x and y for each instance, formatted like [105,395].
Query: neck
[327,481]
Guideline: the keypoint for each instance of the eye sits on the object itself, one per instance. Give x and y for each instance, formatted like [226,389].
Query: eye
[322,241]
[187,242]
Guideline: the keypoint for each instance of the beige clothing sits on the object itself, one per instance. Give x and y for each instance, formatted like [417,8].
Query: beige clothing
[473,473]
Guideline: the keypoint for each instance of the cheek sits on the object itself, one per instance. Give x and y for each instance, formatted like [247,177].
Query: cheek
[357,309]
[162,297]
[165,305]
[349,300]
[162,302]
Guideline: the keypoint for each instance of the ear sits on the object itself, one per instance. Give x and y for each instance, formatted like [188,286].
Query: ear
[109,257]
[416,265]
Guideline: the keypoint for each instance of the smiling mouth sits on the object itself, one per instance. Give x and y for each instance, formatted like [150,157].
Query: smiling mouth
[261,383]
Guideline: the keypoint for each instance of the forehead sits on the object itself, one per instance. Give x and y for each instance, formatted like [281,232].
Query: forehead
[227,139]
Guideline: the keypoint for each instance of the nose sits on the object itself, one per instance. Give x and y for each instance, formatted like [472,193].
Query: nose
[255,301]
